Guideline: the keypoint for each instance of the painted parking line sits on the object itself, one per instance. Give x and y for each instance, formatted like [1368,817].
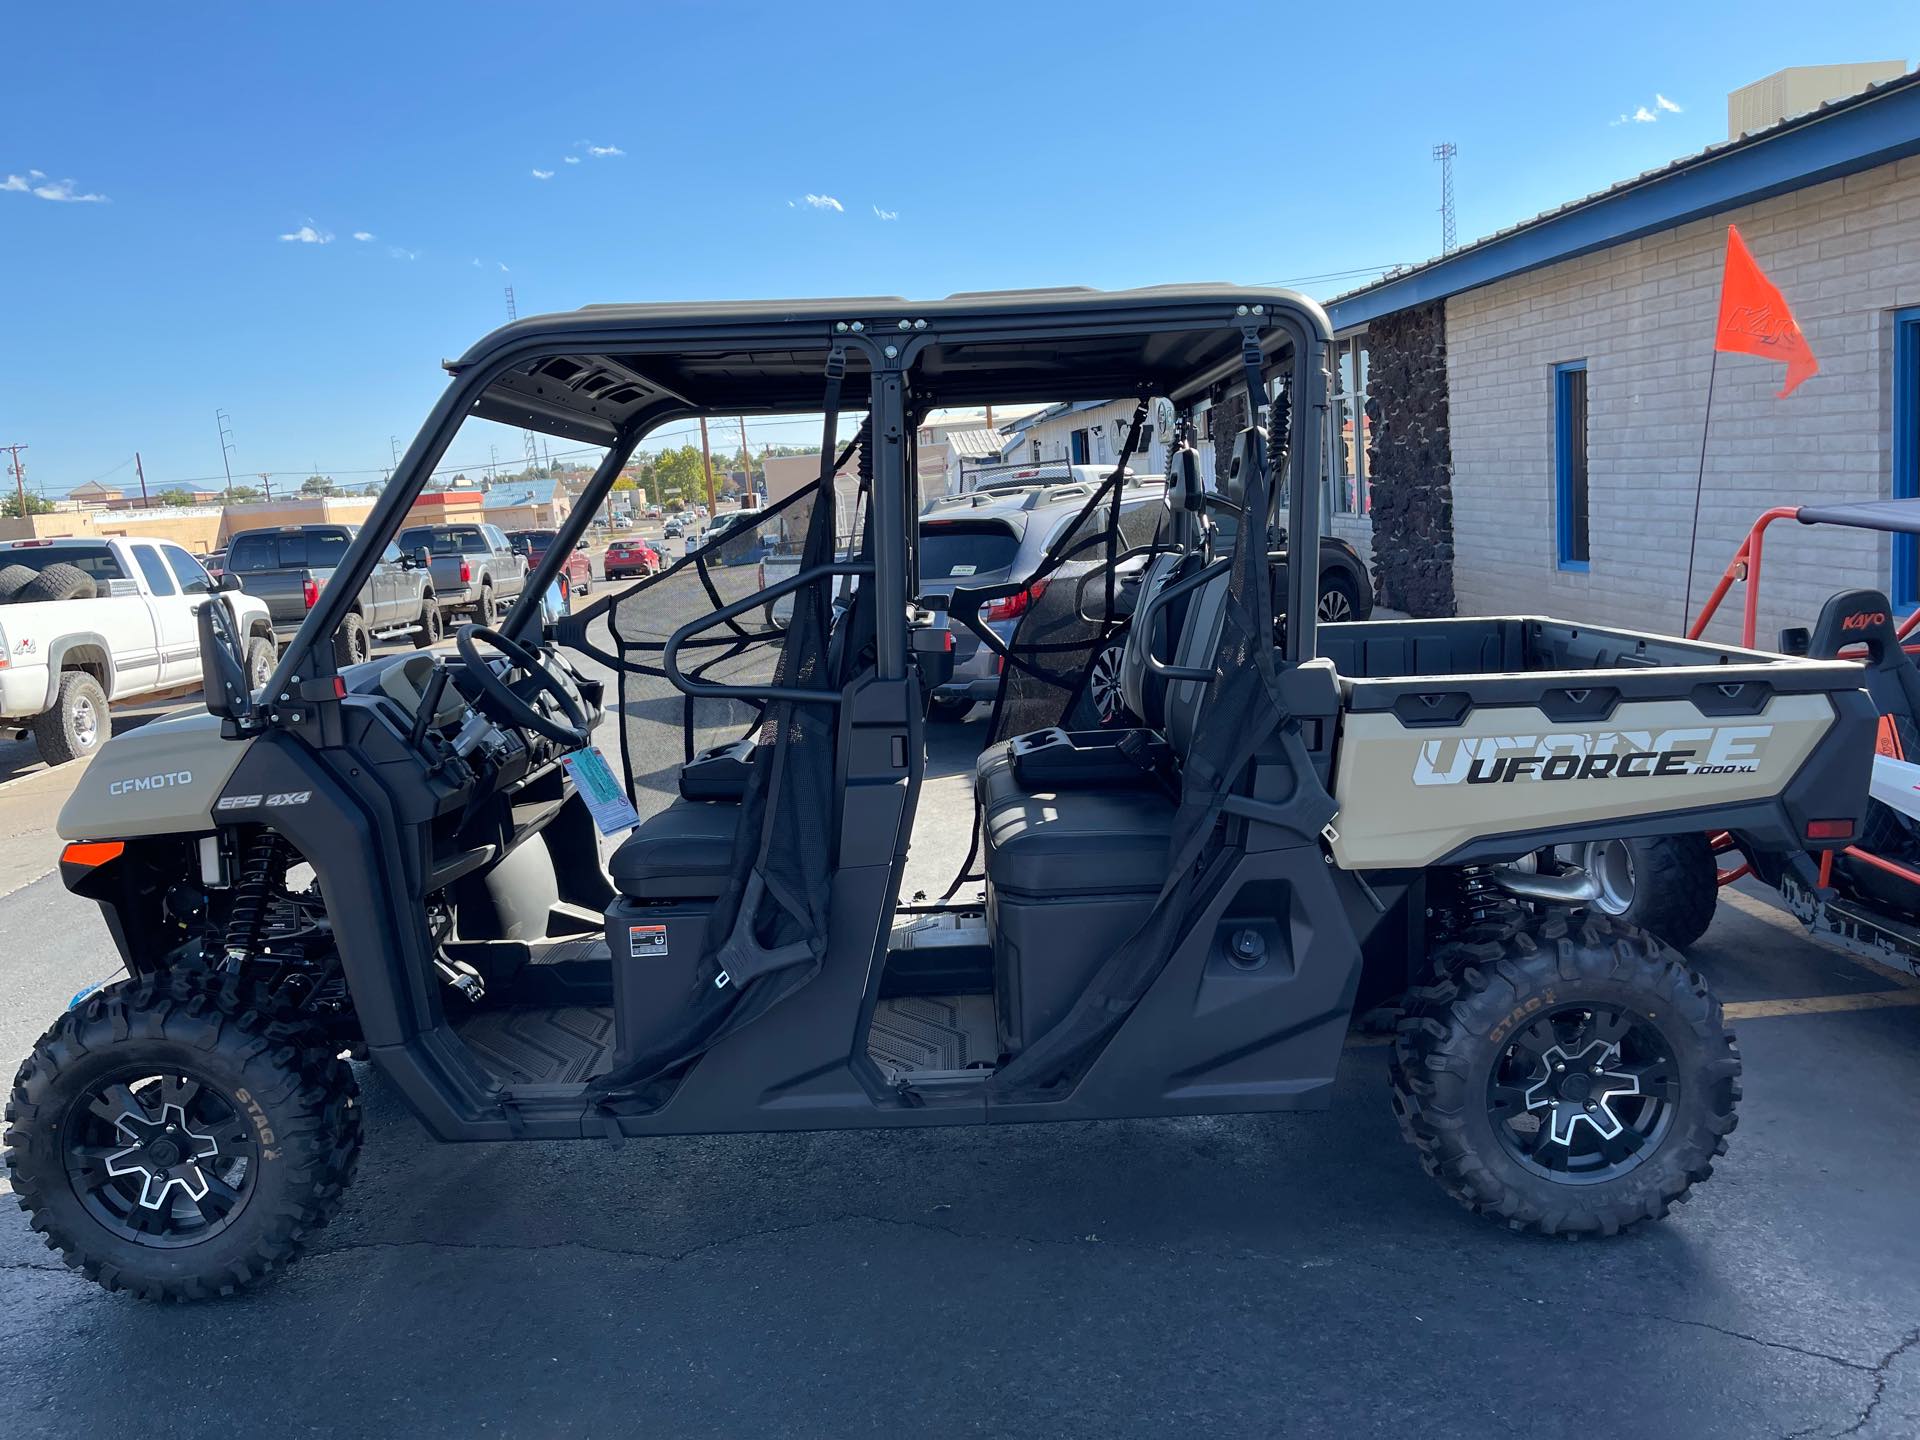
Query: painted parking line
[1820,1004]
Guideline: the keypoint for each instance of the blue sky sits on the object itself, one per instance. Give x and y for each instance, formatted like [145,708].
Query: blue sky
[1032,144]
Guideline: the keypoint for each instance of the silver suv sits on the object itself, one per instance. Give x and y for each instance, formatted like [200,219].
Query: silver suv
[993,537]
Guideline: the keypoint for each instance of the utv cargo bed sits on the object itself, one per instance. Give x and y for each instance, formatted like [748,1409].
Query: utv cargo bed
[1450,727]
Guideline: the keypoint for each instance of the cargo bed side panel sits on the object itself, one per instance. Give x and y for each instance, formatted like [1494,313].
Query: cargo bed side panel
[1415,795]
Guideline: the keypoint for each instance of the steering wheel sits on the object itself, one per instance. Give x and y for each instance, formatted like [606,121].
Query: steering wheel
[513,704]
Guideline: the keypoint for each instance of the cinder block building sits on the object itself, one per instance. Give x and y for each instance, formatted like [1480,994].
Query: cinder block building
[1532,404]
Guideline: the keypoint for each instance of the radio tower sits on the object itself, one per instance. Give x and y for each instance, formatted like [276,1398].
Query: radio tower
[531,445]
[1444,153]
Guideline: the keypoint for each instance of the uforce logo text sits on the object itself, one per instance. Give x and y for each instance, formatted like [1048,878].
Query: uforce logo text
[1584,755]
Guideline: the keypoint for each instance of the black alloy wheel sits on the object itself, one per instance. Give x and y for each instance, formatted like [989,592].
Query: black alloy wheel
[159,1158]
[1582,1094]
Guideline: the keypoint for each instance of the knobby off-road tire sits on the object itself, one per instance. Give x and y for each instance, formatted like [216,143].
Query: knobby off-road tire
[262,656]
[255,1090]
[352,643]
[1472,1066]
[78,723]
[431,625]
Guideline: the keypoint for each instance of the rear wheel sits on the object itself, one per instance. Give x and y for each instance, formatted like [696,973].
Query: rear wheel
[77,723]
[1664,884]
[351,642]
[1570,1076]
[1339,599]
[487,612]
[167,1146]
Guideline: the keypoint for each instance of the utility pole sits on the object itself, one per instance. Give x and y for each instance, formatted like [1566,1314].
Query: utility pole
[266,484]
[19,476]
[1444,153]
[706,459]
[225,421]
[746,455]
[140,470]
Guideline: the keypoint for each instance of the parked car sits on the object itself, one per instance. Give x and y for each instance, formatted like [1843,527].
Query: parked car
[531,546]
[626,559]
[674,529]
[214,564]
[475,571]
[85,623]
[288,568]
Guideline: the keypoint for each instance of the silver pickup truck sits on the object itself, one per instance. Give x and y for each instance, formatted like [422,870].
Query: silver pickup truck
[475,569]
[289,567]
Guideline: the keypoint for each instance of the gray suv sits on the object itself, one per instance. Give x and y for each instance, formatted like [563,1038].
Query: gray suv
[994,537]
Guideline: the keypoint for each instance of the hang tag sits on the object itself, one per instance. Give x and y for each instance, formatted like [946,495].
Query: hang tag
[606,801]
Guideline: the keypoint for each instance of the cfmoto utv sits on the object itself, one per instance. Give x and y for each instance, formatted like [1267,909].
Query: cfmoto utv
[401,861]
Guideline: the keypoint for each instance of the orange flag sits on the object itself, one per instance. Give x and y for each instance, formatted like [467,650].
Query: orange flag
[1755,320]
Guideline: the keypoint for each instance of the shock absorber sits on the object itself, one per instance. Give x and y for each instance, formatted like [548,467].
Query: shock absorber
[261,863]
[1481,898]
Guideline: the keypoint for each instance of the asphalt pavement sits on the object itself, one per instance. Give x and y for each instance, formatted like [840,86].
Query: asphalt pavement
[1259,1276]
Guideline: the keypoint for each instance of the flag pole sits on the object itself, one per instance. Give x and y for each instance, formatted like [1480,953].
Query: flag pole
[1699,482]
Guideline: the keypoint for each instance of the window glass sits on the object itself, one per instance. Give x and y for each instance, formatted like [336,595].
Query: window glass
[159,579]
[956,549]
[192,576]
[1570,463]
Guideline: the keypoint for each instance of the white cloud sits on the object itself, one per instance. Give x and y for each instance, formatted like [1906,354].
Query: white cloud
[886,214]
[543,174]
[476,263]
[1662,103]
[601,152]
[308,235]
[36,183]
[363,235]
[822,202]
[503,266]
[400,252]
[573,159]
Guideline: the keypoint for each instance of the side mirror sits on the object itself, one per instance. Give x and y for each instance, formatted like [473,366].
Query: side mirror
[226,582]
[422,558]
[223,670]
[580,545]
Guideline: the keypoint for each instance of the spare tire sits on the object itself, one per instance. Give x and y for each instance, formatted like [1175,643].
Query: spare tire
[12,579]
[58,582]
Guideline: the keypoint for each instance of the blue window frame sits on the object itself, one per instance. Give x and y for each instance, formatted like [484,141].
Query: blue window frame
[1906,449]
[1570,464]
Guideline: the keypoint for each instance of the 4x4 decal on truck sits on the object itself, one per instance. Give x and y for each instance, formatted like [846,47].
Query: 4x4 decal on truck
[1580,755]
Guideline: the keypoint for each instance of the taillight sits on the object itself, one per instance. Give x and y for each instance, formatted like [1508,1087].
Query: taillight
[310,591]
[1013,606]
[1829,829]
[466,571]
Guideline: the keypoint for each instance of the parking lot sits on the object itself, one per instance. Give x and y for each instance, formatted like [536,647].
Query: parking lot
[1265,1275]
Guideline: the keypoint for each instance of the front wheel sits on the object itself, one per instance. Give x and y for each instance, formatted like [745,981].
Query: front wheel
[1339,600]
[167,1146]
[1569,1076]
[431,625]
[352,643]
[262,656]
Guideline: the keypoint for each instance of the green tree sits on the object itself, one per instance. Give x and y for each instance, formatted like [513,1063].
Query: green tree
[625,481]
[175,497]
[317,485]
[680,476]
[243,493]
[36,505]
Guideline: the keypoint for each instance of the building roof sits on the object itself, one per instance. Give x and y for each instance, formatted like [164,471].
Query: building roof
[975,444]
[1879,125]
[508,493]
[1052,412]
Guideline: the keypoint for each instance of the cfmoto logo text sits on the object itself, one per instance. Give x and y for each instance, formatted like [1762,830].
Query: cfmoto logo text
[1583,755]
[165,780]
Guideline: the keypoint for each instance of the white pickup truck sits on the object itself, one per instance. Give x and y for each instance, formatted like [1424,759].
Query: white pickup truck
[86,623]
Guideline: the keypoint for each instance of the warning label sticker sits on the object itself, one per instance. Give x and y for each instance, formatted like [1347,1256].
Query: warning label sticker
[648,940]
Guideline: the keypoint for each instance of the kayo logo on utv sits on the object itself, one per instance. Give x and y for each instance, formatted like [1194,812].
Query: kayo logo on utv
[1578,755]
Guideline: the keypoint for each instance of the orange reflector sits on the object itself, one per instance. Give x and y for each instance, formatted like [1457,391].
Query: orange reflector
[89,853]
[1829,829]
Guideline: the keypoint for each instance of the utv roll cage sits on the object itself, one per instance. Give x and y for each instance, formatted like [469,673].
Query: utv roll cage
[611,374]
